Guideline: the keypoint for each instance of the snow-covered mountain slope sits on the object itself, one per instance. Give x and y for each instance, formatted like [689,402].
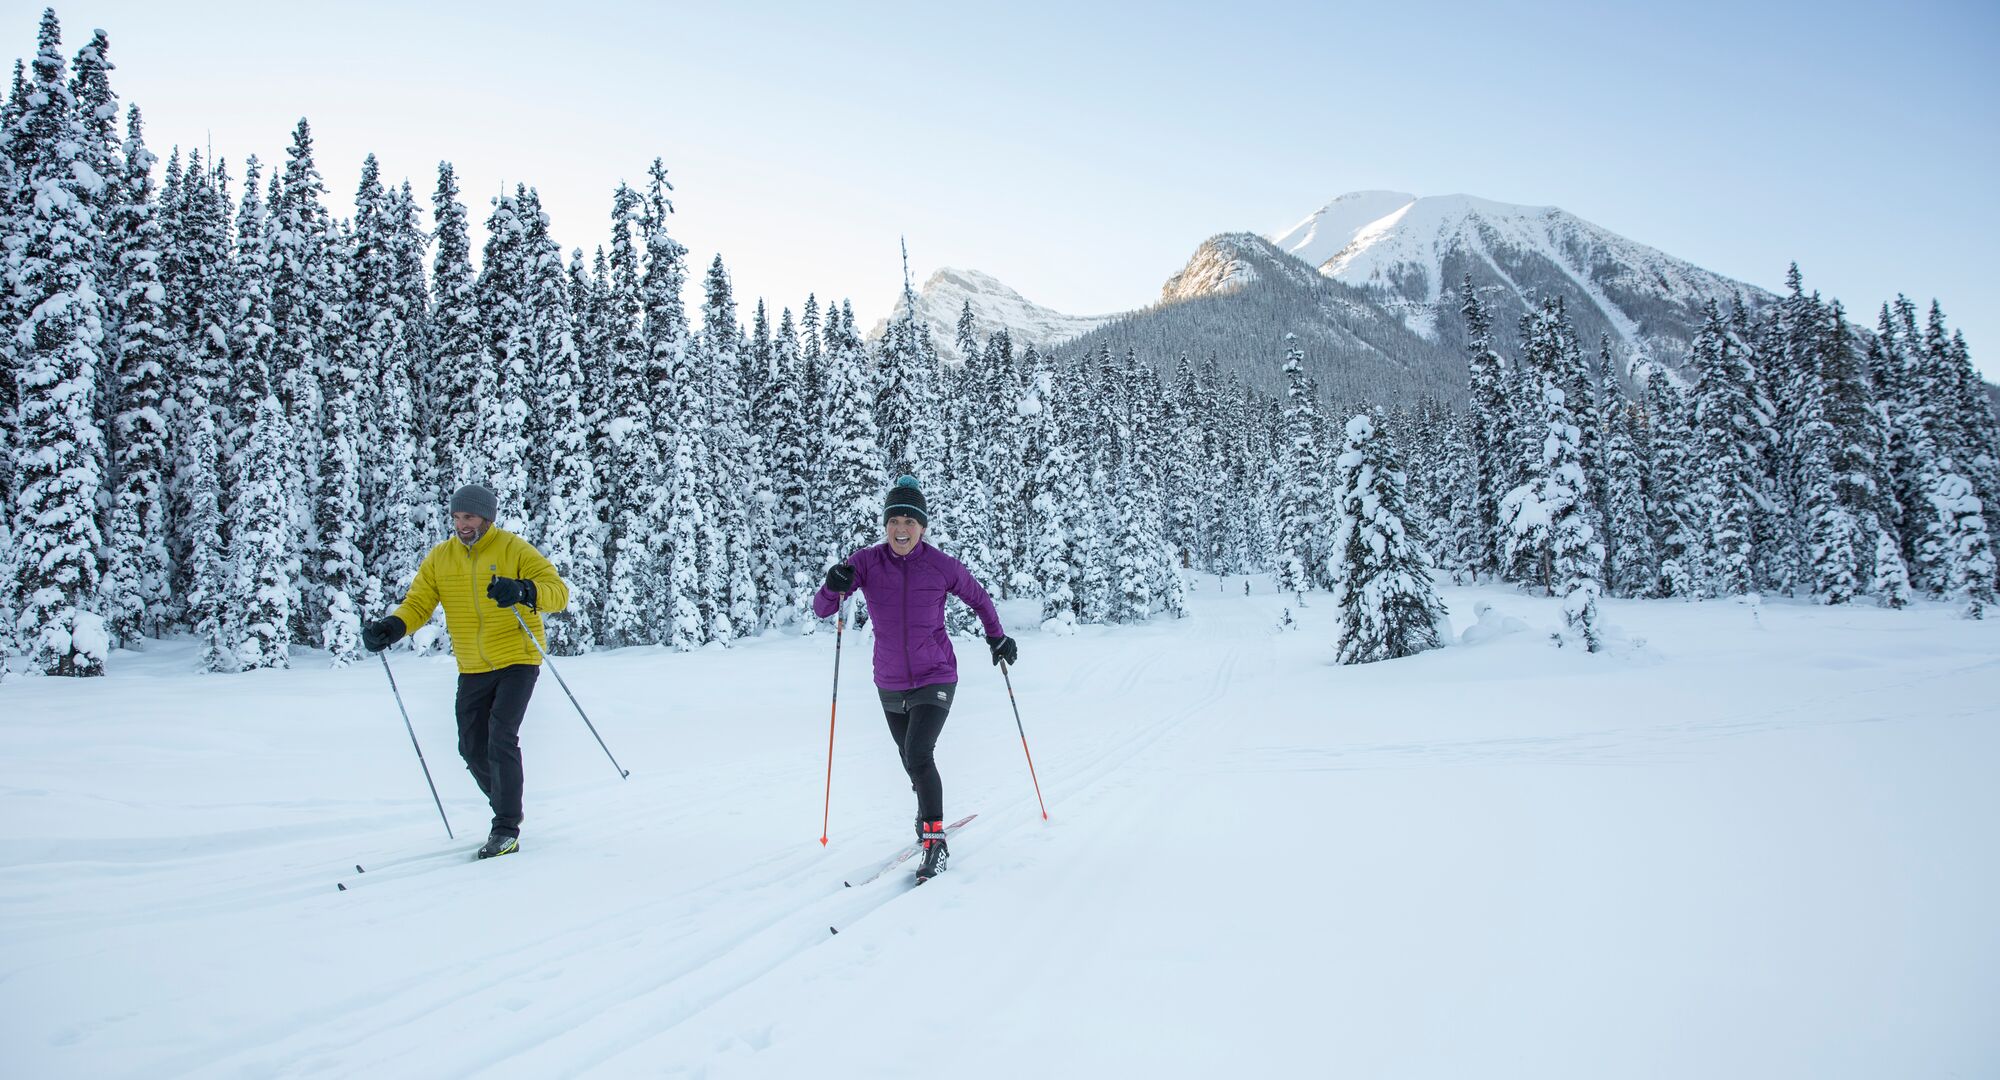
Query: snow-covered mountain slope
[994,306]
[1413,253]
[1757,846]
[1239,296]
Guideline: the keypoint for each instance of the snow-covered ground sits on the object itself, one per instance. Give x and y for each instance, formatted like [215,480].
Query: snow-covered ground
[1758,845]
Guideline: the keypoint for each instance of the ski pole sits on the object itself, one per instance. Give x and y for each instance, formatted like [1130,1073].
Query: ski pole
[1024,739]
[411,728]
[622,774]
[833,711]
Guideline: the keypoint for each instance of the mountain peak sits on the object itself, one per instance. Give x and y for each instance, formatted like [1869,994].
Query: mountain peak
[994,306]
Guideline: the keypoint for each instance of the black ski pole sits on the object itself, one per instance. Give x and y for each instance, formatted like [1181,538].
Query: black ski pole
[622,774]
[1024,739]
[411,728]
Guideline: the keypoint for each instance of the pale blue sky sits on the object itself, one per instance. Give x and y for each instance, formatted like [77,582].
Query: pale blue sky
[1080,151]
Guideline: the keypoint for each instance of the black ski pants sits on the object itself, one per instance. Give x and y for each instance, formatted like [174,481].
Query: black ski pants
[916,717]
[490,707]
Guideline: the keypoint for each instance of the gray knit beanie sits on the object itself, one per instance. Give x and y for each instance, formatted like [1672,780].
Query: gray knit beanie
[476,499]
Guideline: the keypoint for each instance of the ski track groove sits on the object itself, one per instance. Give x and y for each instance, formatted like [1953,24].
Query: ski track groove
[712,962]
[1011,817]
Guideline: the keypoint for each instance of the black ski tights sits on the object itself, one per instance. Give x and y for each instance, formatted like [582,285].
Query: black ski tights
[916,733]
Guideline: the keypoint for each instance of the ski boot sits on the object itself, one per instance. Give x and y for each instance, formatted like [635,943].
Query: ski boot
[500,844]
[930,836]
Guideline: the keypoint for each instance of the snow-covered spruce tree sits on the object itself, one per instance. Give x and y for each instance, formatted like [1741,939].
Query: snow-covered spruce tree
[504,318]
[684,630]
[1677,520]
[665,323]
[1900,387]
[899,390]
[408,244]
[335,572]
[768,575]
[853,482]
[635,485]
[391,540]
[1133,550]
[1052,559]
[1093,552]
[1298,479]
[1725,424]
[456,350]
[1855,435]
[567,532]
[250,329]
[1982,431]
[138,571]
[728,480]
[263,587]
[1632,563]
[208,587]
[1576,554]
[1388,608]
[303,309]
[99,152]
[1888,574]
[59,349]
[792,474]
[1486,432]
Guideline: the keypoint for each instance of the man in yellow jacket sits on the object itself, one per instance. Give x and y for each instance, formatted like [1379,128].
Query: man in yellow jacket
[497,662]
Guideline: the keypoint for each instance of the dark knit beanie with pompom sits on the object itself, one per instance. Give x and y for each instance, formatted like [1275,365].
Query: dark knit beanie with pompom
[908,499]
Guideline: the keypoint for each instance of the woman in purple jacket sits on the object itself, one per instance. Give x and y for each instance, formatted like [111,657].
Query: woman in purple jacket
[904,582]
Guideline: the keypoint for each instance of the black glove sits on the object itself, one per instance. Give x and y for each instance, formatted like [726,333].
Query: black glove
[507,591]
[840,578]
[383,633]
[1003,649]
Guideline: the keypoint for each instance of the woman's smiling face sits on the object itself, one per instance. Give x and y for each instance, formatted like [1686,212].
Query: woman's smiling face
[903,532]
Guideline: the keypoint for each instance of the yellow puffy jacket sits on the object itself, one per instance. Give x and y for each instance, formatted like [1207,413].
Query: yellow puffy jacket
[484,636]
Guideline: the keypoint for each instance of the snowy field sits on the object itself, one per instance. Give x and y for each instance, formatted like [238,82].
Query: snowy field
[1759,844]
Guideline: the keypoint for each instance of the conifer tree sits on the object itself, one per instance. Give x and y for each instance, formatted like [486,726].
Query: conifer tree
[138,571]
[391,540]
[1388,608]
[457,353]
[635,485]
[99,152]
[336,570]
[853,482]
[1725,424]
[1299,475]
[208,579]
[567,531]
[263,586]
[504,317]
[60,350]
[304,308]
[1678,524]
[1631,561]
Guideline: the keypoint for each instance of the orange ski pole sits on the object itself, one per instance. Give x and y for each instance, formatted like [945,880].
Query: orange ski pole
[1024,739]
[833,712]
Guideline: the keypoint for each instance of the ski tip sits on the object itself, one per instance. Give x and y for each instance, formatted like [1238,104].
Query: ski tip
[358,870]
[833,929]
[341,887]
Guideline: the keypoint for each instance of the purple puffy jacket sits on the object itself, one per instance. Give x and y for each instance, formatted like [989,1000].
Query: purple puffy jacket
[905,598]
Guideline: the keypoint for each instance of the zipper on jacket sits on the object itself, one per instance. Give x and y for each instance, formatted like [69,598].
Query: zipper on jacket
[478,616]
[909,667]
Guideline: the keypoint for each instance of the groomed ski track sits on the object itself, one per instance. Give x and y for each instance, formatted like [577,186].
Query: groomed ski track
[1726,851]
